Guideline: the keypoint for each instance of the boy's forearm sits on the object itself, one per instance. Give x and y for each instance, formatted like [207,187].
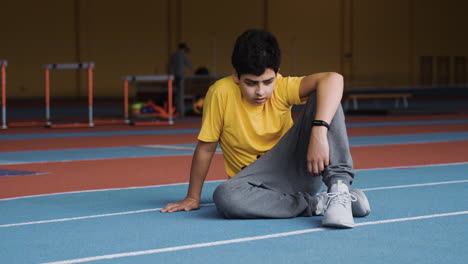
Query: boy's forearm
[200,164]
[196,185]
[329,94]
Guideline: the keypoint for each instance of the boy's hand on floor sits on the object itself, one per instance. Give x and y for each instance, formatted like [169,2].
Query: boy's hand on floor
[188,204]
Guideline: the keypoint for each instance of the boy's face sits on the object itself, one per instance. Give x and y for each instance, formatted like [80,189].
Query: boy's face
[256,89]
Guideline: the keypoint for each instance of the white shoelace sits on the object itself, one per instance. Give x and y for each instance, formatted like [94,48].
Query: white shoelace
[341,198]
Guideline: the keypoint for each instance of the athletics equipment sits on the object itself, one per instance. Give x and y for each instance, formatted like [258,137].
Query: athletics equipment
[3,65]
[163,115]
[89,66]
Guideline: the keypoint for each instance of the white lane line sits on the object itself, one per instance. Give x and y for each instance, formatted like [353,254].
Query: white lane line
[412,185]
[171,147]
[415,166]
[174,147]
[9,162]
[245,239]
[101,190]
[87,217]
[410,218]
[208,204]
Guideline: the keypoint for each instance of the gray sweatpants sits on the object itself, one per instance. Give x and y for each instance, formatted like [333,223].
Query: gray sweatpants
[278,185]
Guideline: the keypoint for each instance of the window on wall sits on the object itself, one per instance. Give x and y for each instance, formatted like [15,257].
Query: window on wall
[443,70]
[426,72]
[459,70]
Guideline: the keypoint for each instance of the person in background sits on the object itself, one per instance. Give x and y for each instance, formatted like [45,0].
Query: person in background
[178,62]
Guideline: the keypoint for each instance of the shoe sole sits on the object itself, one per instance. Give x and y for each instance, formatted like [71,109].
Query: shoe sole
[337,224]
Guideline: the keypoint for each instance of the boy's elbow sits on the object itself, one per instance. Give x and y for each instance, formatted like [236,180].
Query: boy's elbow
[335,77]
[337,80]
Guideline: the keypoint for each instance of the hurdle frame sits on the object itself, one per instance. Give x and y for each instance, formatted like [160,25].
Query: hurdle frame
[148,78]
[3,65]
[5,123]
[69,66]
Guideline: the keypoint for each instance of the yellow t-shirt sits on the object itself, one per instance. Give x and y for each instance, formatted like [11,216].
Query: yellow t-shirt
[243,130]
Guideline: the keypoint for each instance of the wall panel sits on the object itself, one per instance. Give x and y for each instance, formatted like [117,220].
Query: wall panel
[386,39]
[381,39]
[309,33]
[440,30]
[210,28]
[123,38]
[34,33]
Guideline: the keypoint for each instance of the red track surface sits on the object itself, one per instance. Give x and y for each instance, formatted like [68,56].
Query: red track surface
[121,173]
[102,174]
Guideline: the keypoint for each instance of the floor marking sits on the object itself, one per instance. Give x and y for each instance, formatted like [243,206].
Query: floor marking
[184,183]
[208,204]
[174,147]
[416,166]
[88,217]
[102,190]
[27,136]
[412,185]
[245,239]
[16,173]
[410,218]
[6,163]
[405,123]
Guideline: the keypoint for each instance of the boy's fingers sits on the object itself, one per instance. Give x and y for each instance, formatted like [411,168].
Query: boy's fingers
[320,166]
[169,208]
[309,167]
[174,207]
[316,169]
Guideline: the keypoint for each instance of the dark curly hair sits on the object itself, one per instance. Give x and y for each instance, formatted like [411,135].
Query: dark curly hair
[255,51]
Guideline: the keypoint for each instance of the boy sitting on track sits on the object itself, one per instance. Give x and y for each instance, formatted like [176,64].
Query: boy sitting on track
[276,167]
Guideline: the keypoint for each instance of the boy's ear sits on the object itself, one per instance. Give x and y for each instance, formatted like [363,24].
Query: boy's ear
[235,77]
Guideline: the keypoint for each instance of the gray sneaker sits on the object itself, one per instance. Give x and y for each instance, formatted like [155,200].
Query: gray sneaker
[339,210]
[359,203]
[319,203]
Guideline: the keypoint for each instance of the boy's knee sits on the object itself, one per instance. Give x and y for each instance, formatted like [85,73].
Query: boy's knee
[219,194]
[227,200]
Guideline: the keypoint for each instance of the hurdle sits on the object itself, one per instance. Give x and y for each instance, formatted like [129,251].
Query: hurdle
[166,112]
[5,123]
[3,65]
[69,66]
